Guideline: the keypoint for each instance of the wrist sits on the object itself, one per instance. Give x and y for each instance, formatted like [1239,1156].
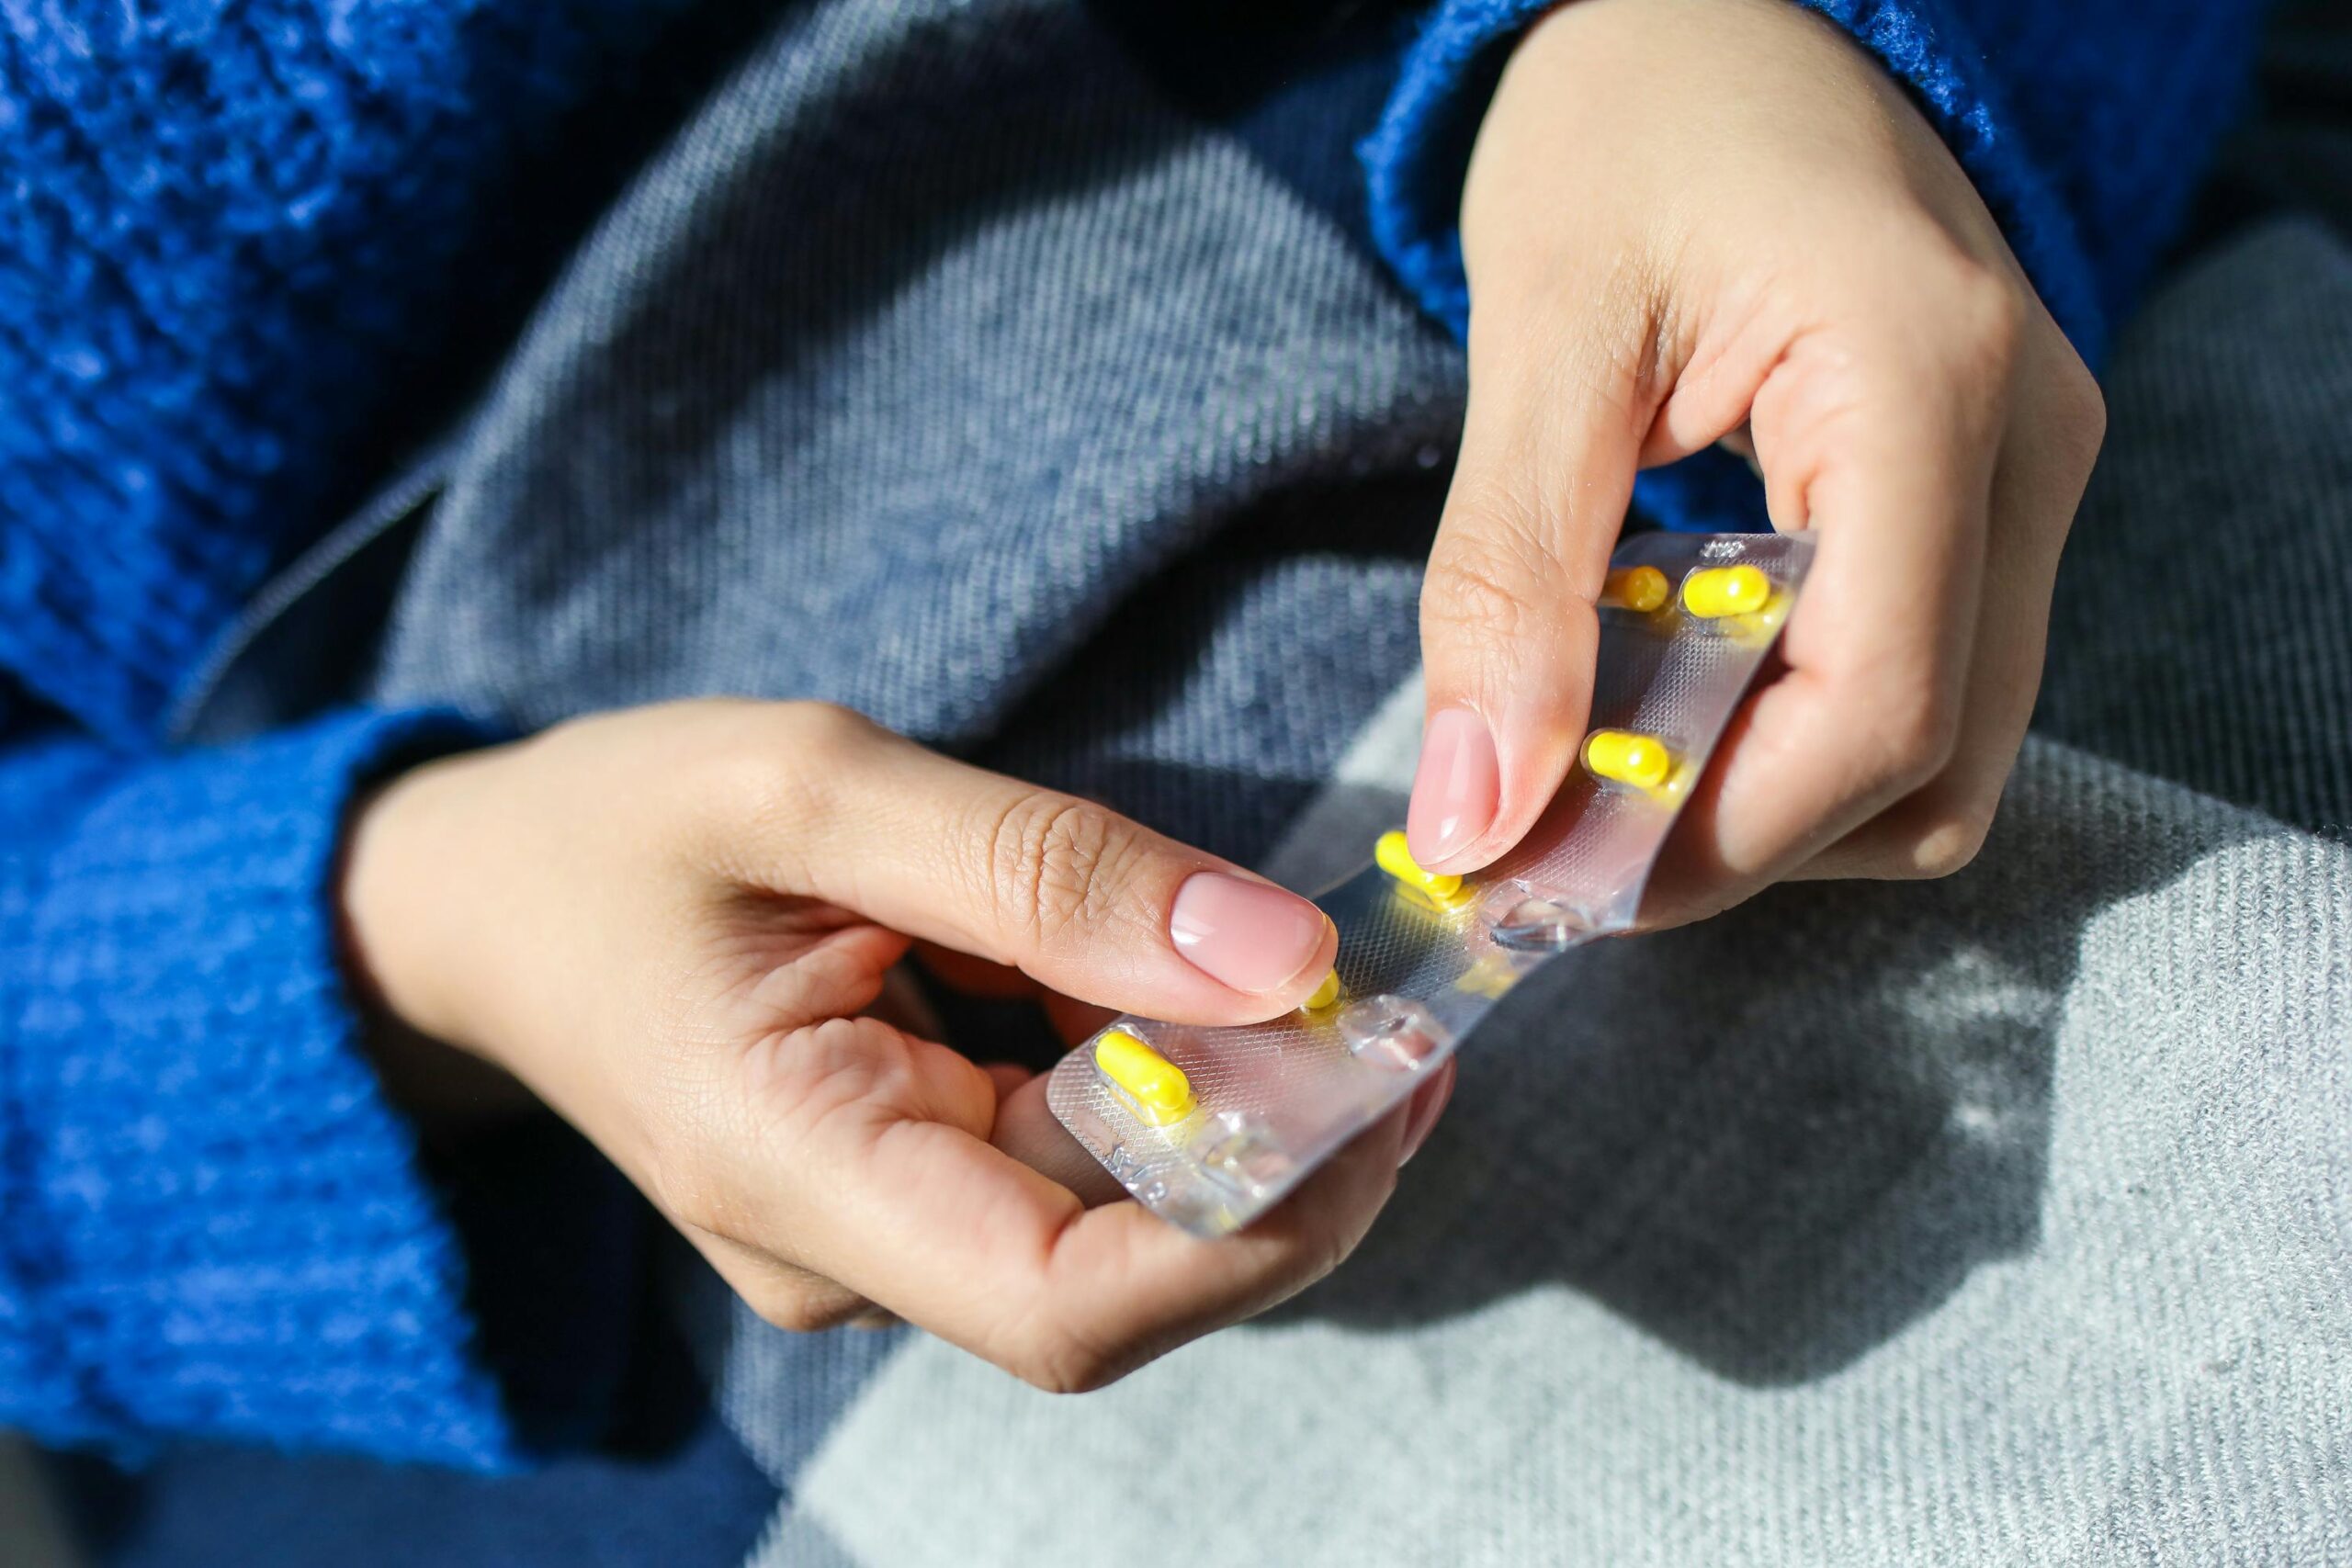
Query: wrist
[402,898]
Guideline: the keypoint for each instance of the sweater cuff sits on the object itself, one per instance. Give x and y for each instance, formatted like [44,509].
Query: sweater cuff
[229,1226]
[1416,157]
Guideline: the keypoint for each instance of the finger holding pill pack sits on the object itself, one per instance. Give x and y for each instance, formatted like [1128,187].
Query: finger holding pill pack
[1210,1127]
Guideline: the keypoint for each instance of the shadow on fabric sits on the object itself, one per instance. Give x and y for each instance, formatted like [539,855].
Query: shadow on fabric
[1775,1139]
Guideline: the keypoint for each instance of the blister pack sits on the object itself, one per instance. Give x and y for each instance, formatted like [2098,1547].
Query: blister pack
[1210,1127]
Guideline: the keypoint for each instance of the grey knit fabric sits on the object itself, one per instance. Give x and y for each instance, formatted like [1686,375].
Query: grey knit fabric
[2198,631]
[31,1533]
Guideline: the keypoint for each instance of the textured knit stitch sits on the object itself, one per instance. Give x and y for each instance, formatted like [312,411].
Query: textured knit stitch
[2239,629]
[225,230]
[214,1222]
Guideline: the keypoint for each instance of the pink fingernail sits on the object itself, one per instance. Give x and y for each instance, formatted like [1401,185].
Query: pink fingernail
[1455,790]
[1251,936]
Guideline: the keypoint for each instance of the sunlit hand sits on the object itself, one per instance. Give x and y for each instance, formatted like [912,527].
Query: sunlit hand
[669,923]
[1693,221]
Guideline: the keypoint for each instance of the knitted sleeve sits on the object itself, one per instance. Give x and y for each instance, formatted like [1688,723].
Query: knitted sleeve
[214,1222]
[240,246]
[2084,126]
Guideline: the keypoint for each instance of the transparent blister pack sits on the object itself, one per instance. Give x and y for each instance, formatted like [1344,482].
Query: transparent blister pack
[1210,1127]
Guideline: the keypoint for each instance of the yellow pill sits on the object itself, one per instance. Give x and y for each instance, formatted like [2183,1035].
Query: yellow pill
[1155,1086]
[1720,591]
[1491,977]
[1641,588]
[1325,993]
[1394,857]
[1641,761]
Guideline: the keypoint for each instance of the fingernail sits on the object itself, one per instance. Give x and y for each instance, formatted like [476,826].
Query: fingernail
[1426,1112]
[1253,937]
[1456,788]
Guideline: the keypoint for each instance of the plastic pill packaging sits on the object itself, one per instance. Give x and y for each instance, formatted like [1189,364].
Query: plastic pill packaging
[1210,1127]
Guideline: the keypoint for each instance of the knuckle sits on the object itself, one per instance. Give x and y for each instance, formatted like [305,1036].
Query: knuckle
[1323,1259]
[685,1192]
[1623,344]
[750,764]
[1486,568]
[1062,1362]
[798,1308]
[1949,846]
[801,1081]
[794,1317]
[1988,311]
[829,1057]
[820,726]
[1053,861]
[1917,729]
[1968,316]
[687,1143]
[765,772]
[2077,417]
[1934,833]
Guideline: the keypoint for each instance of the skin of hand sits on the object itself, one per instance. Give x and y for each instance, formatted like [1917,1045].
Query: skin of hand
[672,925]
[1699,221]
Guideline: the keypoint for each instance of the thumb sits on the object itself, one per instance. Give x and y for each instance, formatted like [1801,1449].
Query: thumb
[1070,893]
[1509,629]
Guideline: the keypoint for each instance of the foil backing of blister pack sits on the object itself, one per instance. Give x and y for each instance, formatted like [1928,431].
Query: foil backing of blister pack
[1209,1127]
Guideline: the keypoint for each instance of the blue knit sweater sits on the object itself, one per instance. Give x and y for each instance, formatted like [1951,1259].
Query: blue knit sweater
[230,236]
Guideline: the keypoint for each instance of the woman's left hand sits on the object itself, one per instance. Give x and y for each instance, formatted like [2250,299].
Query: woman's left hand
[1693,221]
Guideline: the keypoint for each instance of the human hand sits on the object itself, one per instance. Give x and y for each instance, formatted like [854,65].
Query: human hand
[669,924]
[1692,221]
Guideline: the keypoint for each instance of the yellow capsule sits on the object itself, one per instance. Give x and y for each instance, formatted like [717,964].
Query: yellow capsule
[1719,591]
[1156,1087]
[1641,588]
[1325,993]
[1395,858]
[1491,977]
[1641,761]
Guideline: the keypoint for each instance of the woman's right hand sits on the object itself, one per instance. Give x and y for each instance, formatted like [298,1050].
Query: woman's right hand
[670,922]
